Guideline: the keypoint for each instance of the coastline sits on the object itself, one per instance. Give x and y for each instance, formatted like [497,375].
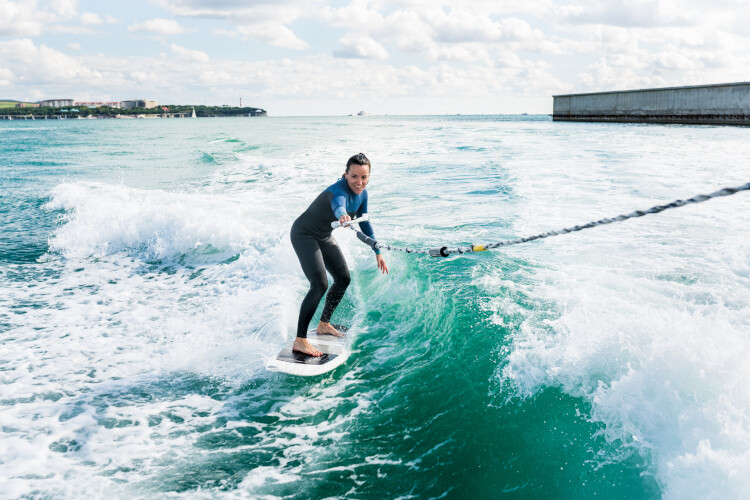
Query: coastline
[171,111]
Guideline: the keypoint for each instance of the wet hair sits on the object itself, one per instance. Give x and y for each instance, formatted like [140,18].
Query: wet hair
[358,159]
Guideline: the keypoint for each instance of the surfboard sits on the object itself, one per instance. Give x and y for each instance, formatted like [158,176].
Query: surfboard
[335,353]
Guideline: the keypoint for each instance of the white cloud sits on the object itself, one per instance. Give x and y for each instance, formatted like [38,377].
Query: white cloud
[603,76]
[507,59]
[671,58]
[40,64]
[144,77]
[189,55]
[626,13]
[91,18]
[24,19]
[357,14]
[466,53]
[158,27]
[6,76]
[361,47]
[515,29]
[274,84]
[67,9]
[34,18]
[462,25]
[272,34]
[461,33]
[452,51]
[670,64]
[241,11]
[264,21]
[406,30]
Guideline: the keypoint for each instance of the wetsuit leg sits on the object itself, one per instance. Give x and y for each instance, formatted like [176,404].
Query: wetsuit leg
[310,257]
[336,265]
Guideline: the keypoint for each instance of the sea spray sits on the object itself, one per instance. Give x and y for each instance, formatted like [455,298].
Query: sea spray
[155,284]
[649,326]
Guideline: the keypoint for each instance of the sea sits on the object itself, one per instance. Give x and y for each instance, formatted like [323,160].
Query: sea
[147,278]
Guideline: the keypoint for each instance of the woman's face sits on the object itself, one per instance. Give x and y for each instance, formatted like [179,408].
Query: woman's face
[357,177]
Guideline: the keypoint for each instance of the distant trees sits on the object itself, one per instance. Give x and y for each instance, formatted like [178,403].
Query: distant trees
[105,112]
[217,110]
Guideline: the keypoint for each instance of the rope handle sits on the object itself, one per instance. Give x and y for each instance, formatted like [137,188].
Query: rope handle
[362,218]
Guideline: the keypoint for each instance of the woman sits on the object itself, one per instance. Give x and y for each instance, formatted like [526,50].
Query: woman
[318,251]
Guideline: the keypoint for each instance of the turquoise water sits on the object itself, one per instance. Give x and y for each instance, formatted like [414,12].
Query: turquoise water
[146,277]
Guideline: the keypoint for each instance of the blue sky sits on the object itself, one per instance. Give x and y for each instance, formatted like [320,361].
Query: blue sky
[319,57]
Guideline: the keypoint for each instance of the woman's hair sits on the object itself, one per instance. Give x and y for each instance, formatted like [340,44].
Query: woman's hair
[358,159]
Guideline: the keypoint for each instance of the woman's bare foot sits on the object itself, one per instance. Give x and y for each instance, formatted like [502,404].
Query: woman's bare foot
[328,329]
[305,347]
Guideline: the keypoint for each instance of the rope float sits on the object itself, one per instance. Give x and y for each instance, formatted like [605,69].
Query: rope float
[445,251]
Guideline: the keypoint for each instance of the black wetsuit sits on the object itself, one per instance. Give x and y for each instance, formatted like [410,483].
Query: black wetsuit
[318,251]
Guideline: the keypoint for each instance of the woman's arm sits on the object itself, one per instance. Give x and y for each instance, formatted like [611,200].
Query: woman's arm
[366,228]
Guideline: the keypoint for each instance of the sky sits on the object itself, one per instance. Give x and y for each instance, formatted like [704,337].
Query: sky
[336,57]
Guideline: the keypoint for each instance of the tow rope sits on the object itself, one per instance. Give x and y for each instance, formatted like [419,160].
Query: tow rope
[446,251]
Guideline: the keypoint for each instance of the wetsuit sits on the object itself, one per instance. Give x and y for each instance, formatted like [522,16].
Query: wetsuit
[318,251]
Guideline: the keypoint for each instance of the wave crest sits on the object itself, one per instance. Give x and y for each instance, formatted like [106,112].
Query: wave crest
[154,225]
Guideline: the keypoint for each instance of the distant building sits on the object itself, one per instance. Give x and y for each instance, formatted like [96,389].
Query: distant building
[97,104]
[57,103]
[140,103]
[114,104]
[725,103]
[27,105]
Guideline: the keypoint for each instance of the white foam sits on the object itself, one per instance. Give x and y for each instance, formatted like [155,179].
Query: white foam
[102,219]
[647,319]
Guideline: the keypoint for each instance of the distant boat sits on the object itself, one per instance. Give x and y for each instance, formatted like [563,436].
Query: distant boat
[524,113]
[363,113]
[193,114]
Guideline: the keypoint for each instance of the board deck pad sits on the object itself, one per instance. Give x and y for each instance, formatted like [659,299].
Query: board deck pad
[334,351]
[290,356]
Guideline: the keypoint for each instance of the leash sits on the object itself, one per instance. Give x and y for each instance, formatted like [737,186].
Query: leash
[445,251]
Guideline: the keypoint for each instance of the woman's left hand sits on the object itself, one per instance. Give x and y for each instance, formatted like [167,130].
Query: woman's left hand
[381,264]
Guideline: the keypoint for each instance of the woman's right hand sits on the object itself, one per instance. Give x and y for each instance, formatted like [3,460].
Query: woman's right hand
[344,218]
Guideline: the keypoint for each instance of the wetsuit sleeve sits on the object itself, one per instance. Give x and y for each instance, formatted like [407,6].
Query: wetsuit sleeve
[338,205]
[366,227]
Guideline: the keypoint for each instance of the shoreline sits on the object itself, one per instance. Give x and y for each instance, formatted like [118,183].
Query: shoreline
[115,117]
[179,115]
[85,113]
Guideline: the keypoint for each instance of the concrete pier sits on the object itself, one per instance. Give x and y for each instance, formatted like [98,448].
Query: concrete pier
[721,104]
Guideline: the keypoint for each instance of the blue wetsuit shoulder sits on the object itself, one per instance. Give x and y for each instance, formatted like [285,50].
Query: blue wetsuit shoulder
[345,201]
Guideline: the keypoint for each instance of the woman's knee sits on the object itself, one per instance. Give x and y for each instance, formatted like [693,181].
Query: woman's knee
[343,280]
[319,284]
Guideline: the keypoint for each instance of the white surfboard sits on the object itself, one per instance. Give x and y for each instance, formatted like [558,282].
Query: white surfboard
[335,353]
